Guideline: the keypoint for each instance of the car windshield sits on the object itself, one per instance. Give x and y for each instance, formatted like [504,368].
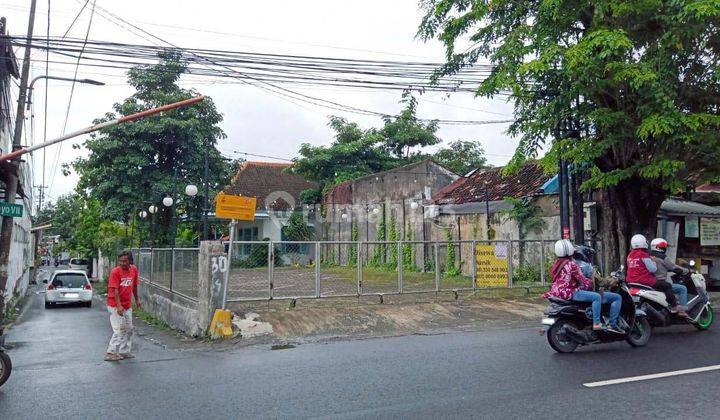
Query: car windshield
[77,261]
[70,280]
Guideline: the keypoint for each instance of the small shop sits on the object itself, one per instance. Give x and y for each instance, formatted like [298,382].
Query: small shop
[692,230]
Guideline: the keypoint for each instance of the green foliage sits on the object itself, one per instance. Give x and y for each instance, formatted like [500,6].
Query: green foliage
[311,196]
[461,156]
[408,250]
[633,84]
[380,250]
[393,238]
[403,133]
[296,228]
[526,213]
[356,152]
[186,236]
[450,264]
[352,257]
[131,163]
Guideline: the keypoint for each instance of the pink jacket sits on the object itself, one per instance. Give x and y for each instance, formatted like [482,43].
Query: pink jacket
[567,278]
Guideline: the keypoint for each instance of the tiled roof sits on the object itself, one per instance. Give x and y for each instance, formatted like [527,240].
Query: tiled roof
[275,188]
[526,182]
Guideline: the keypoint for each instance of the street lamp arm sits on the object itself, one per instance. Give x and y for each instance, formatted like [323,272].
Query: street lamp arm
[66,79]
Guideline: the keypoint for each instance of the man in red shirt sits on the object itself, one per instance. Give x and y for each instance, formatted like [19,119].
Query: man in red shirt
[122,286]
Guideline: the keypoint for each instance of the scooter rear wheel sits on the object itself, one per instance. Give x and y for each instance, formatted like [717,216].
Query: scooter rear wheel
[5,368]
[558,341]
[705,319]
[640,333]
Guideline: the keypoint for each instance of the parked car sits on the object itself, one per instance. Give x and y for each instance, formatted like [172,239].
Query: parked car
[68,286]
[79,264]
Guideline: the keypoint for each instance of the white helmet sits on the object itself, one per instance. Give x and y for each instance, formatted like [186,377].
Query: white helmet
[638,241]
[659,245]
[564,248]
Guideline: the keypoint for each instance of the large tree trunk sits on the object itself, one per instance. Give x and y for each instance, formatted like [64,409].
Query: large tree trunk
[627,209]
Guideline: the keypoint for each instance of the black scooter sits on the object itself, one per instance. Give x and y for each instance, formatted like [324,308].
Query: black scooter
[5,364]
[568,324]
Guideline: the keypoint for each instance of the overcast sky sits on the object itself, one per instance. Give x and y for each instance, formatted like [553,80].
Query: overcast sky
[255,121]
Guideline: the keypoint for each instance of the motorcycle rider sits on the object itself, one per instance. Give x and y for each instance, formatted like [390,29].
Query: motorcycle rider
[569,283]
[658,249]
[641,269]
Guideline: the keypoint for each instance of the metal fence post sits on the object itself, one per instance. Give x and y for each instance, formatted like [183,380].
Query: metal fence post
[152,265]
[172,268]
[511,264]
[400,263]
[437,267]
[317,269]
[542,262]
[271,261]
[473,264]
[359,270]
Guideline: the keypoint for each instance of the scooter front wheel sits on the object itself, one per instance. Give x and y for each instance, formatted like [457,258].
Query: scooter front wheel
[640,332]
[558,340]
[705,319]
[5,367]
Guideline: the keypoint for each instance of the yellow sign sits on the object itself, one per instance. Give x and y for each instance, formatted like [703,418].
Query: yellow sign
[235,207]
[492,265]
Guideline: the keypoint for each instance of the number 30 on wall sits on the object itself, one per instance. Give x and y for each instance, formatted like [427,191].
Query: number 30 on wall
[219,264]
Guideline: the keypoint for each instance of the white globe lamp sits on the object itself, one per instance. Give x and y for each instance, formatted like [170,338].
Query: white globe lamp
[152,209]
[167,201]
[191,190]
[142,214]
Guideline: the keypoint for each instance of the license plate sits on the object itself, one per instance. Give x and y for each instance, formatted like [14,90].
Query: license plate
[71,295]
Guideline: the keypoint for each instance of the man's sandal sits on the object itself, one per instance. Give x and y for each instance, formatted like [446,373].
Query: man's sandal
[111,357]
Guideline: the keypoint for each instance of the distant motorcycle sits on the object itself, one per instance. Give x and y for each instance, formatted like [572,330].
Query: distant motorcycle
[657,308]
[5,364]
[568,324]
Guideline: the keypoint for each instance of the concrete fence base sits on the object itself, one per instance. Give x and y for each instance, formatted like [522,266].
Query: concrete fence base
[183,313]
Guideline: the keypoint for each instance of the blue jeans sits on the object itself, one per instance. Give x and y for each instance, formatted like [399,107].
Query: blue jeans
[613,299]
[682,291]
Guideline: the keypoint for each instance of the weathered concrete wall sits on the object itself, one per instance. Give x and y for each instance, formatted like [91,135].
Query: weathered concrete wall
[176,311]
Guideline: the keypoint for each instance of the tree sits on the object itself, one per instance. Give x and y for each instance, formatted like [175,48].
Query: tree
[130,165]
[356,152]
[630,89]
[405,132]
[297,229]
[462,156]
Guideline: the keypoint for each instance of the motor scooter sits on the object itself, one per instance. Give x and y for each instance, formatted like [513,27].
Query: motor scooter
[568,324]
[5,364]
[655,304]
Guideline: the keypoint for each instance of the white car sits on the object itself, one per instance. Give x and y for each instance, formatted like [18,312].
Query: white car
[79,264]
[68,286]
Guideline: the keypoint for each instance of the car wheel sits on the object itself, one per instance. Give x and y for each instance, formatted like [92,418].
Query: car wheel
[88,304]
[48,305]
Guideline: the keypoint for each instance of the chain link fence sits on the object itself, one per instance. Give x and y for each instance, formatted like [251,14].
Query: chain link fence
[172,269]
[264,270]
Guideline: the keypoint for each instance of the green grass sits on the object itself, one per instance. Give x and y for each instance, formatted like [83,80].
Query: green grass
[150,319]
[100,288]
[374,276]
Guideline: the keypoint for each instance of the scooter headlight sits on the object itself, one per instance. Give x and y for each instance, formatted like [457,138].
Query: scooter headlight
[548,321]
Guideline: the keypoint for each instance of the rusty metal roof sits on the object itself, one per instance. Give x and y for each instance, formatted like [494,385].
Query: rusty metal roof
[274,187]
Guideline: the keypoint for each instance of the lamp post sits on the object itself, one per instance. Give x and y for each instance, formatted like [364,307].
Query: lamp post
[142,214]
[191,191]
[152,209]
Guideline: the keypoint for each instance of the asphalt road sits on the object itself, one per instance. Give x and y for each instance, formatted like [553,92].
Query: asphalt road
[59,373]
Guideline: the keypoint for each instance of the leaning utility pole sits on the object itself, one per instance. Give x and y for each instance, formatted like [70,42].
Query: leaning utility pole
[12,177]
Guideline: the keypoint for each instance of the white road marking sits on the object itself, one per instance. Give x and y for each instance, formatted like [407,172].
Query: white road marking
[652,376]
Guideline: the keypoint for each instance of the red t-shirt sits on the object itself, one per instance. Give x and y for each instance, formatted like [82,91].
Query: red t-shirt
[125,281]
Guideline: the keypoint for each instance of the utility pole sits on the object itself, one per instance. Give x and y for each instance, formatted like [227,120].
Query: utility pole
[561,133]
[578,208]
[12,175]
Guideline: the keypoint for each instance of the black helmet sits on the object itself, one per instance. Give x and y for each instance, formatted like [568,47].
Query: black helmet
[584,253]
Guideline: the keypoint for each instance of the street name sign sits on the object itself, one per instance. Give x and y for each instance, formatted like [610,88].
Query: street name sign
[10,210]
[235,207]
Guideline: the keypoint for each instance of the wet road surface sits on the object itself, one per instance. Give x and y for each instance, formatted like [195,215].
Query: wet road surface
[59,373]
